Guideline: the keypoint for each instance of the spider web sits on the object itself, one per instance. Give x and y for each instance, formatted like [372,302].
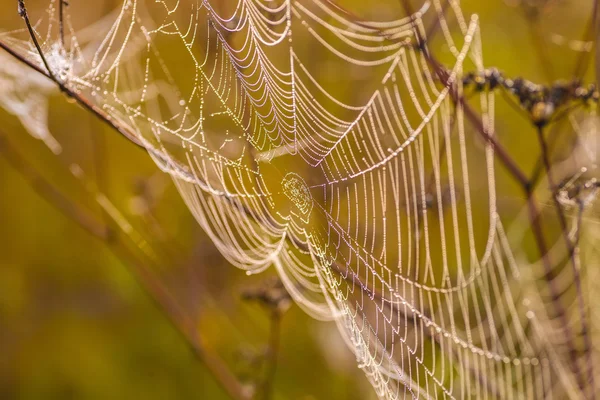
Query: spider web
[325,145]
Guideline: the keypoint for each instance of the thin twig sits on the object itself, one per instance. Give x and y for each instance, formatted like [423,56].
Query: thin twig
[61,21]
[23,13]
[80,99]
[538,168]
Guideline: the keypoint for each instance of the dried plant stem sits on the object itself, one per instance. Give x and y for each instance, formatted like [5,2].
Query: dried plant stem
[23,13]
[81,100]
[61,21]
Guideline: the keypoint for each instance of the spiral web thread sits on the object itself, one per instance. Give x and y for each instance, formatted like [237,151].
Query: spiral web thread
[373,201]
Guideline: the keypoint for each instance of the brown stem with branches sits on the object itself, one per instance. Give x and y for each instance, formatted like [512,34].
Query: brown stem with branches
[544,164]
[534,213]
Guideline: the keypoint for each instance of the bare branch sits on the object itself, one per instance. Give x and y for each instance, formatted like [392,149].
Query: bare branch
[61,21]
[23,13]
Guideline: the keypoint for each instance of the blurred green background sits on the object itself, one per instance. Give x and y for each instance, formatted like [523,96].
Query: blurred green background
[74,321]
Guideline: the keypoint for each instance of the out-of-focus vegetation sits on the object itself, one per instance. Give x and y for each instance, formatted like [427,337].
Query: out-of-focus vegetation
[74,322]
